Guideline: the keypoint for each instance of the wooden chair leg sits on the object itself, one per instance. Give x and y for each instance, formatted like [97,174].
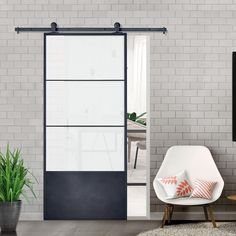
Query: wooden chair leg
[165,216]
[167,213]
[205,213]
[171,209]
[212,216]
[136,157]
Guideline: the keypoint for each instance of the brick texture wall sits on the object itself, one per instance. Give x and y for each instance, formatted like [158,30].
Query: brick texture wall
[190,76]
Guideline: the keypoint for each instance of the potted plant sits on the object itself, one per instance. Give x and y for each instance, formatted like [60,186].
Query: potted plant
[14,179]
[133,116]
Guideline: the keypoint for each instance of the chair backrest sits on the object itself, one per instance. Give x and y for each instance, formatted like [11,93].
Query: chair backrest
[198,163]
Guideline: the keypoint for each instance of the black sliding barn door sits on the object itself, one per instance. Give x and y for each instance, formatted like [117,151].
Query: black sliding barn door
[85,126]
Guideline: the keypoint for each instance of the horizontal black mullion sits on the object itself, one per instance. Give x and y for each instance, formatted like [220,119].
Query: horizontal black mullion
[84,126]
[136,184]
[83,171]
[89,80]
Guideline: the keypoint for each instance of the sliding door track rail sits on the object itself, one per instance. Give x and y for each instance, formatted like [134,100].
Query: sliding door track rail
[116,29]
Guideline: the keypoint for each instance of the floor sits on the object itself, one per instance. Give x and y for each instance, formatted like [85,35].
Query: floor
[136,201]
[137,194]
[83,228]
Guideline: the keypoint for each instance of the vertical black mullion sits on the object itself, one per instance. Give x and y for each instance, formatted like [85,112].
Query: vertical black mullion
[234,96]
[44,123]
[125,116]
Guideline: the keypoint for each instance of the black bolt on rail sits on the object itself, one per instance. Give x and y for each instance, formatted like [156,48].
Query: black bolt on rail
[54,27]
[117,27]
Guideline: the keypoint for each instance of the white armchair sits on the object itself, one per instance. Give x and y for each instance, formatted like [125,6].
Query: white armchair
[199,164]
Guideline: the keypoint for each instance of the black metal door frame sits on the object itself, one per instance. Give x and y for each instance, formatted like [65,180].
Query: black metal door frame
[52,178]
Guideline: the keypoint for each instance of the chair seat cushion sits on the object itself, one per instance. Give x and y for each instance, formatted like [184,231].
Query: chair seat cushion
[187,201]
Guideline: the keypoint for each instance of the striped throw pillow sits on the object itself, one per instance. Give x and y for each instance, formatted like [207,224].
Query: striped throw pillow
[203,189]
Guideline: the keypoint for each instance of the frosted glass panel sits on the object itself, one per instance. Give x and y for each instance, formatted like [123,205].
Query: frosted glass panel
[85,149]
[85,57]
[85,103]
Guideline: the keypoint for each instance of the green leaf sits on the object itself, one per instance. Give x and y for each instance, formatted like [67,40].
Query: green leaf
[132,116]
[144,113]
[142,122]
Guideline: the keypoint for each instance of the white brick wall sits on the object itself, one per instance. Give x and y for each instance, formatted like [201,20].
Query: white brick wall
[190,75]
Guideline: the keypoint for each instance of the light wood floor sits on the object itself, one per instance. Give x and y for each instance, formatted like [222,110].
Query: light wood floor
[83,228]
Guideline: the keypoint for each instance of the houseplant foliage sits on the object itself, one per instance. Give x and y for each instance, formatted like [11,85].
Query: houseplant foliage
[133,116]
[14,180]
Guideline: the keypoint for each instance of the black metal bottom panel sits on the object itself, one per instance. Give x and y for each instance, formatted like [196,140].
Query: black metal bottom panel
[85,195]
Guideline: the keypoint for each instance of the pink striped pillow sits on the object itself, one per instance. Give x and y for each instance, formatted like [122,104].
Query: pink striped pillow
[203,189]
